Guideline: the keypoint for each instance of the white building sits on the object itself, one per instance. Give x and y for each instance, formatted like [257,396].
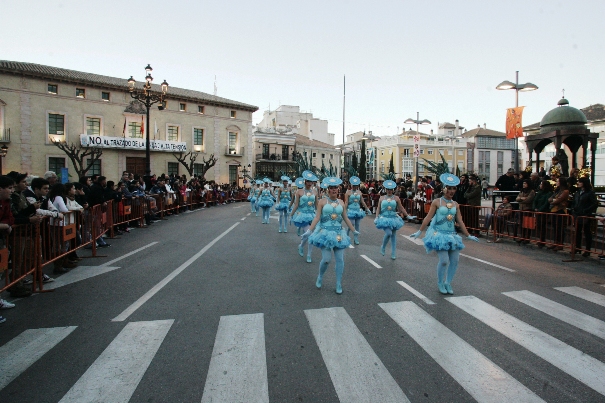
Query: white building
[489,153]
[290,118]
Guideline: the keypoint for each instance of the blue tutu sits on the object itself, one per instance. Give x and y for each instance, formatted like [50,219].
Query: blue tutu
[393,223]
[252,199]
[354,214]
[303,219]
[265,202]
[323,238]
[282,206]
[439,240]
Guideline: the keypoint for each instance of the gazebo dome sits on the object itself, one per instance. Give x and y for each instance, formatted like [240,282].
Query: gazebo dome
[563,117]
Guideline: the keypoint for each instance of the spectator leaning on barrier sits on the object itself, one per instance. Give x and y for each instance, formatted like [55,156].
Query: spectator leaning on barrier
[525,198]
[558,205]
[535,181]
[6,223]
[96,197]
[542,205]
[473,198]
[51,177]
[58,197]
[507,181]
[584,208]
[499,217]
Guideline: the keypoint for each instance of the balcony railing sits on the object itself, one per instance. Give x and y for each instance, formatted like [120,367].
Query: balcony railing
[234,152]
[5,136]
[273,157]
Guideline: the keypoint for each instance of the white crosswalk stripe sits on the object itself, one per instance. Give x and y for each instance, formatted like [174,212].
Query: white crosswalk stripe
[479,376]
[21,352]
[238,367]
[356,371]
[561,312]
[114,376]
[583,367]
[587,295]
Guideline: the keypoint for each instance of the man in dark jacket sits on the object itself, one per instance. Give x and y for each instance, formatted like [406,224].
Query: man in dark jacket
[473,200]
[462,188]
[96,197]
[507,181]
[584,205]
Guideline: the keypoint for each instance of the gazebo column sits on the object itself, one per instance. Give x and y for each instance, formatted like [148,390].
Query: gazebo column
[584,152]
[537,161]
[593,152]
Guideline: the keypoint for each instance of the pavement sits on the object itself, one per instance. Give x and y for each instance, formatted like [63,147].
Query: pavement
[214,306]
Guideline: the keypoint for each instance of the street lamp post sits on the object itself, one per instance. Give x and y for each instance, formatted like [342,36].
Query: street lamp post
[418,122]
[507,85]
[371,138]
[148,98]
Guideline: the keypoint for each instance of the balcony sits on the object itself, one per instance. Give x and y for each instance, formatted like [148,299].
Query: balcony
[5,136]
[234,152]
[274,157]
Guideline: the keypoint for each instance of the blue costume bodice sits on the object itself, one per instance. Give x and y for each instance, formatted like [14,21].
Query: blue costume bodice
[307,202]
[388,208]
[354,201]
[257,192]
[265,193]
[445,217]
[331,217]
[284,195]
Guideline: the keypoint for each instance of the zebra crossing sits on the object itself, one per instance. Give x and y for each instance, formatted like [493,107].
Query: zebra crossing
[237,371]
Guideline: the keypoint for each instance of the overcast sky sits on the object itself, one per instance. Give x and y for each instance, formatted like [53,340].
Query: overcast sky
[440,58]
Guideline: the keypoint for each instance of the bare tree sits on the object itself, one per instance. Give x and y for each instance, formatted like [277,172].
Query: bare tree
[78,155]
[188,161]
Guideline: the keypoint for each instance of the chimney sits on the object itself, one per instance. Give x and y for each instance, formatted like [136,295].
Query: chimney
[310,134]
[479,126]
[431,131]
[484,126]
[456,128]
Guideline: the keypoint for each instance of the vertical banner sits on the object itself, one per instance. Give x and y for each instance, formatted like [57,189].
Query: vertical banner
[514,125]
[416,146]
[64,175]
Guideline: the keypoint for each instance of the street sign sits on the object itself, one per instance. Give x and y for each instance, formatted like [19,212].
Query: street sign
[416,139]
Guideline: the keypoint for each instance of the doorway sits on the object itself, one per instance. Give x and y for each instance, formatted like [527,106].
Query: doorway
[135,165]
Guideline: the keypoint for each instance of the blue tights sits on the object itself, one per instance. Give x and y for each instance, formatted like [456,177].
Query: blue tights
[304,241]
[283,220]
[266,211]
[355,222]
[389,234]
[253,207]
[326,257]
[448,260]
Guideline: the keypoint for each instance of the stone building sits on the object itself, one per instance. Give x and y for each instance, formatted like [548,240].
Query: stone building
[40,104]
[489,153]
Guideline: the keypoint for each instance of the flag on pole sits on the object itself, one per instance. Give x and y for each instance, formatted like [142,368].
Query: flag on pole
[142,126]
[514,126]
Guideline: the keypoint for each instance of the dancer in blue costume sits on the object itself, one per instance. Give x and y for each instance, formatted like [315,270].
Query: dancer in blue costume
[387,218]
[354,202]
[265,200]
[252,196]
[326,232]
[441,235]
[284,198]
[257,191]
[303,212]
[299,183]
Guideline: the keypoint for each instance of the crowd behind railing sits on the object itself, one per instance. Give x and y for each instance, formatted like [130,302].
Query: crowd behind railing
[44,223]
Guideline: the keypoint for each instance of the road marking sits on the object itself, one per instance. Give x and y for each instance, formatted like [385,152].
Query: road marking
[414,240]
[489,263]
[574,362]
[561,312]
[78,274]
[138,303]
[244,218]
[238,367]
[21,352]
[238,206]
[478,375]
[357,373]
[115,375]
[126,255]
[590,296]
[373,263]
[351,246]
[248,214]
[416,293]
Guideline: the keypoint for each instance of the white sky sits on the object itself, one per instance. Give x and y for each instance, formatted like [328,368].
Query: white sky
[441,58]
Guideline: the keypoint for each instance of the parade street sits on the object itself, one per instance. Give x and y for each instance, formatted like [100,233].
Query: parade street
[213,306]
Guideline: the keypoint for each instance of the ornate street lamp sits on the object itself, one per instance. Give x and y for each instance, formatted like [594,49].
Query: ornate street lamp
[147,97]
[507,85]
[418,122]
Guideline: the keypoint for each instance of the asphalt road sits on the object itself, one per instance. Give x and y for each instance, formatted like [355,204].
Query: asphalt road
[216,307]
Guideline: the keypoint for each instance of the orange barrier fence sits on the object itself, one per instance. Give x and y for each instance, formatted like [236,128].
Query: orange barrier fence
[20,255]
[589,236]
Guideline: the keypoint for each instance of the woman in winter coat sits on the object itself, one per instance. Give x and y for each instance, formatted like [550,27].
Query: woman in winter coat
[584,206]
[525,199]
[542,205]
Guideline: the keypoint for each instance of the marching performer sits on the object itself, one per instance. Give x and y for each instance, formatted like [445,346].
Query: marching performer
[265,200]
[257,191]
[326,232]
[252,196]
[354,201]
[284,199]
[441,235]
[387,218]
[299,183]
[303,212]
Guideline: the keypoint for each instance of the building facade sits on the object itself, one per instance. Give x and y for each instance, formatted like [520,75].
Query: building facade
[41,104]
[290,118]
[490,154]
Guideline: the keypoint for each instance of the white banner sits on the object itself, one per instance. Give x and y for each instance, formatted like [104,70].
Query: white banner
[131,144]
